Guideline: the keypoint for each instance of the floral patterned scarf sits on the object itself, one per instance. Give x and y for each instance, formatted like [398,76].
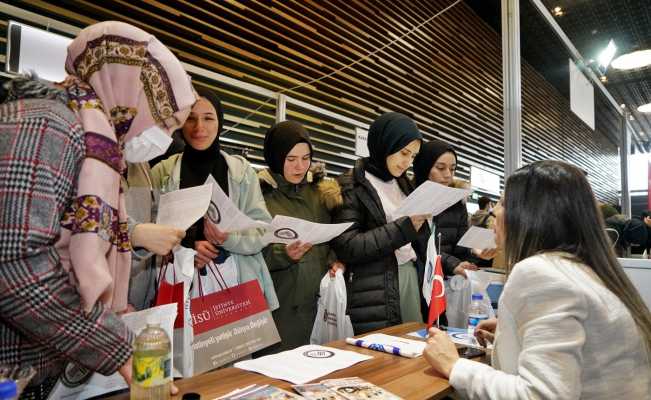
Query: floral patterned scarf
[121,82]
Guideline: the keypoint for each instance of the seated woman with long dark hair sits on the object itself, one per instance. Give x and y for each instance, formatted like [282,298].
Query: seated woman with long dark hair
[571,324]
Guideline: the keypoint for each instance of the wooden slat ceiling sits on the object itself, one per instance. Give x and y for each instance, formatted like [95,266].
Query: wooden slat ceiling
[447,75]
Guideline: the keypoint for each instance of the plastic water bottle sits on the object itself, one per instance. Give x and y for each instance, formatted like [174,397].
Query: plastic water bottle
[152,363]
[477,312]
[8,390]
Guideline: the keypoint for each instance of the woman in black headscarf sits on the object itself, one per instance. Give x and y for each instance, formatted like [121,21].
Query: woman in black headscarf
[437,162]
[384,255]
[202,157]
[290,187]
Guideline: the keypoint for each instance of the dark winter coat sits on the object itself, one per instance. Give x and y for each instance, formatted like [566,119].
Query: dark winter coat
[367,249]
[452,224]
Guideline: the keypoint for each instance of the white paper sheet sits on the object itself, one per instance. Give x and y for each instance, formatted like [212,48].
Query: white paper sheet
[284,229]
[430,198]
[303,364]
[99,384]
[478,238]
[223,213]
[182,208]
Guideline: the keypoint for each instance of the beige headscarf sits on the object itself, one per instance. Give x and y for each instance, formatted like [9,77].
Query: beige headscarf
[122,81]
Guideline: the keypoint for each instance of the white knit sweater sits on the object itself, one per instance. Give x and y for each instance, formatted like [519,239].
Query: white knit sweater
[560,335]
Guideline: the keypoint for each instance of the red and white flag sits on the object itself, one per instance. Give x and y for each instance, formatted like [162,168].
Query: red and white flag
[433,287]
[437,297]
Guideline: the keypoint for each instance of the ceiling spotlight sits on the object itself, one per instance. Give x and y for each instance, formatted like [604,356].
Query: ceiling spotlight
[634,60]
[646,108]
[606,56]
[558,11]
[603,79]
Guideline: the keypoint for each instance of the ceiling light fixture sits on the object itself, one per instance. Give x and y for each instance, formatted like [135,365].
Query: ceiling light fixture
[558,11]
[634,60]
[606,56]
[646,108]
[603,79]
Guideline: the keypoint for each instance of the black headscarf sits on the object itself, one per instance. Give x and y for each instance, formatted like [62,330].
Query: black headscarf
[196,165]
[280,140]
[426,158]
[388,134]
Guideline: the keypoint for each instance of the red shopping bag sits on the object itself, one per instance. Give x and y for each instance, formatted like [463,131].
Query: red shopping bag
[169,293]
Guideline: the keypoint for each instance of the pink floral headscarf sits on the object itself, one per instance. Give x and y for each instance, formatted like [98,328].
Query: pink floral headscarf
[122,81]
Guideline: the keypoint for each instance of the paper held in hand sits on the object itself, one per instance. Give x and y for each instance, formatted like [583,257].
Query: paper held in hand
[223,213]
[478,238]
[430,198]
[182,208]
[287,230]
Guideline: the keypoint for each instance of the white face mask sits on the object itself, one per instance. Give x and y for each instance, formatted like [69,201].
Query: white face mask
[150,144]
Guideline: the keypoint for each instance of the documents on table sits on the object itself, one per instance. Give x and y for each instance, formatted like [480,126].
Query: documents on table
[430,198]
[182,208]
[390,344]
[287,230]
[478,238]
[303,364]
[223,213]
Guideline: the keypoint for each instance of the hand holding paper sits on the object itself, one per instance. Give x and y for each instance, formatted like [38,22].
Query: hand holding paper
[430,198]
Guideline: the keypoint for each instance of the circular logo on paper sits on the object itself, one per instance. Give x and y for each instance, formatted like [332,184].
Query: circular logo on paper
[75,375]
[319,354]
[213,213]
[286,233]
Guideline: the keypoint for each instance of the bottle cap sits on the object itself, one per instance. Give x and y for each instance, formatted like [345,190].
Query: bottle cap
[477,296]
[8,389]
[191,396]
[152,320]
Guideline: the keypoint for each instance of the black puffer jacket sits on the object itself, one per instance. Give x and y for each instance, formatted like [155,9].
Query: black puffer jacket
[367,249]
[452,224]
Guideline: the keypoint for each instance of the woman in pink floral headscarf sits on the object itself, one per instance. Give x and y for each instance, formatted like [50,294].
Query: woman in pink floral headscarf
[130,92]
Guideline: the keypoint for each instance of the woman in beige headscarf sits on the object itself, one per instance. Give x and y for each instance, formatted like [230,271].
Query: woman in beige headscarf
[130,92]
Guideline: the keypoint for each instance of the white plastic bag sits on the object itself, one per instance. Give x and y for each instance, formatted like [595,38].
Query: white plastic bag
[457,297]
[331,321]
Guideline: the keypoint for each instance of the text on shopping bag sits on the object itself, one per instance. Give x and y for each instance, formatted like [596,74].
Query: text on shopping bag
[230,324]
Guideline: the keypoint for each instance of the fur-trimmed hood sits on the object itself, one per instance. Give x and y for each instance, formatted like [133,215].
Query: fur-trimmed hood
[328,188]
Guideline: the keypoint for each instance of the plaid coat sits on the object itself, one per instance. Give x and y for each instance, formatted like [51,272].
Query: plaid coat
[42,322]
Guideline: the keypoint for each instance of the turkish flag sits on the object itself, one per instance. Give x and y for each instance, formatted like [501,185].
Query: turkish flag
[437,302]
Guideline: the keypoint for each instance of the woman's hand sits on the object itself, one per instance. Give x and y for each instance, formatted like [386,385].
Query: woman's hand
[440,352]
[159,239]
[334,267]
[485,254]
[418,220]
[461,268]
[485,331]
[206,252]
[212,232]
[296,250]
